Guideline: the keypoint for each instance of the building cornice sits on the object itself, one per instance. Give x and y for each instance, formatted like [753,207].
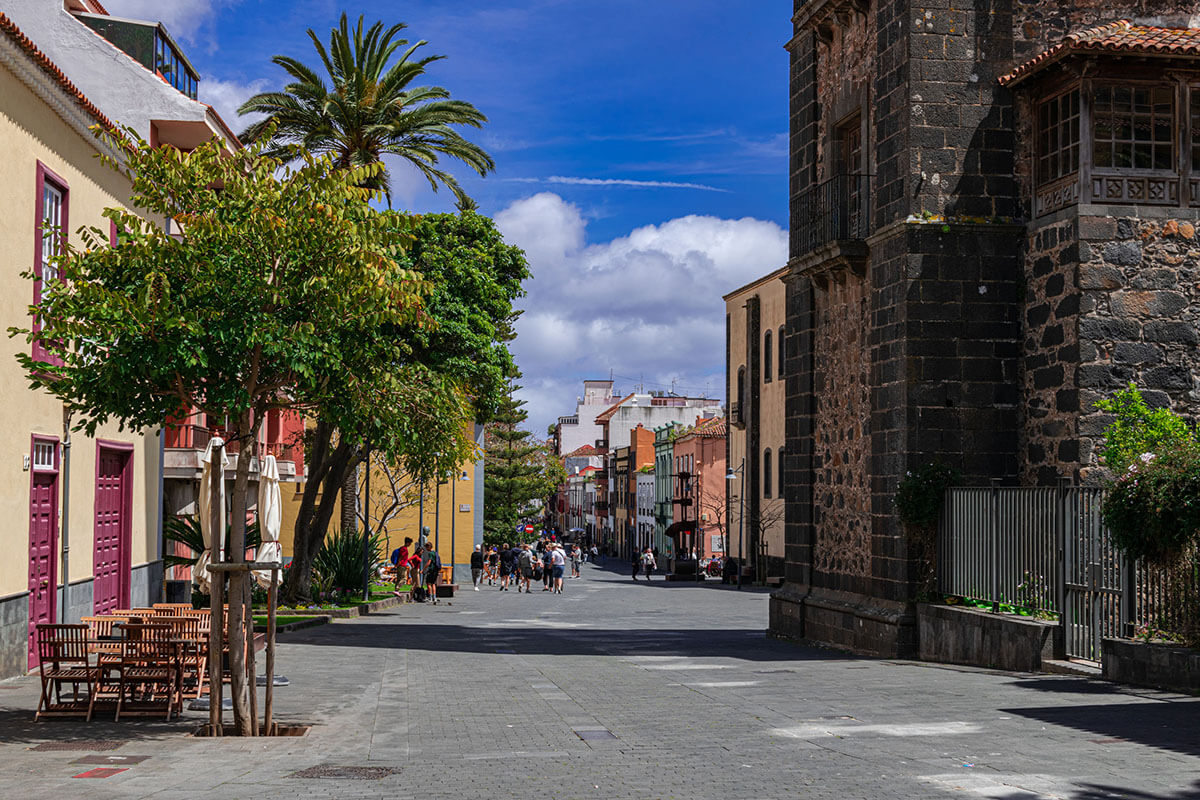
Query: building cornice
[34,69]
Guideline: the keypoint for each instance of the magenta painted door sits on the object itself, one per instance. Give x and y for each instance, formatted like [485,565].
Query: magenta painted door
[43,546]
[111,557]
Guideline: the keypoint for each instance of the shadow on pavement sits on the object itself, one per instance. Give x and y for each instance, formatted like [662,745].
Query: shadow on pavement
[1095,791]
[17,726]
[1172,725]
[542,637]
[1071,684]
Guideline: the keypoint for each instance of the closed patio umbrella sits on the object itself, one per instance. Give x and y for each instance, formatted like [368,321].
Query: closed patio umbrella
[270,518]
[200,571]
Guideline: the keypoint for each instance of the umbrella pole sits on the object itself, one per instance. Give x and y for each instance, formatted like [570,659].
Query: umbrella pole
[268,724]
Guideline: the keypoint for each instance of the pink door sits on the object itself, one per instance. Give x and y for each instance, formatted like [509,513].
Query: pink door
[111,556]
[43,538]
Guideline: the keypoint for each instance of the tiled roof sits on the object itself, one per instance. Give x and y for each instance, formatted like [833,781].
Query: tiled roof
[586,450]
[714,427]
[606,414]
[1119,38]
[10,29]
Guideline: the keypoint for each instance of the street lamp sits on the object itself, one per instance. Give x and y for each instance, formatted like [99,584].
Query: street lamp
[733,474]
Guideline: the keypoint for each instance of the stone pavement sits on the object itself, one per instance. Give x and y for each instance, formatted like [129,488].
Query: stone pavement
[623,690]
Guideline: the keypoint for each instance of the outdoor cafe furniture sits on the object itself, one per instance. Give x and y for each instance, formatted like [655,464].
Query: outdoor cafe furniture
[144,675]
[64,659]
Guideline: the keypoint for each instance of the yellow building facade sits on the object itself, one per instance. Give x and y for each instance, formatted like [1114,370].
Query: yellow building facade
[452,511]
[83,534]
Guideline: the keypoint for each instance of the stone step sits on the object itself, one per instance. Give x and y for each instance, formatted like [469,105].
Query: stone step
[1071,667]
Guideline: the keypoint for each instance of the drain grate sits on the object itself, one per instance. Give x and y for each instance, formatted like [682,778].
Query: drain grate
[96,745]
[595,735]
[345,773]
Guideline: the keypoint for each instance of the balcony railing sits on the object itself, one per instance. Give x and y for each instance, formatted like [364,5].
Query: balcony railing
[837,210]
[197,437]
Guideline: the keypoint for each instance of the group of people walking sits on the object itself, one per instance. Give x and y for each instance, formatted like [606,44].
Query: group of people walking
[524,565]
[420,569]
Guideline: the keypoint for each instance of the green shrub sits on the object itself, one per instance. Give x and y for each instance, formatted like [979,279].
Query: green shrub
[339,562]
[1138,429]
[186,531]
[1152,508]
[919,498]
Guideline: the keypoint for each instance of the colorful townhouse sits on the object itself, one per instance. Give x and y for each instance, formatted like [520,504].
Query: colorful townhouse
[699,488]
[93,504]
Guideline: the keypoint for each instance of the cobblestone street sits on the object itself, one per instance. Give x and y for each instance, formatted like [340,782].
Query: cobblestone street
[622,690]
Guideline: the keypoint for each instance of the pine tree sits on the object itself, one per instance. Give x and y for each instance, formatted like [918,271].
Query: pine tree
[517,469]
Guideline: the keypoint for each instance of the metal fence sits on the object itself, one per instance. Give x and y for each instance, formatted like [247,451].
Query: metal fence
[1046,551]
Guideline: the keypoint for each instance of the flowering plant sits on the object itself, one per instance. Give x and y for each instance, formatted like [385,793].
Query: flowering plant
[1152,509]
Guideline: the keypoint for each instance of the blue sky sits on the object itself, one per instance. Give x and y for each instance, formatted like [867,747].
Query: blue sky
[640,148]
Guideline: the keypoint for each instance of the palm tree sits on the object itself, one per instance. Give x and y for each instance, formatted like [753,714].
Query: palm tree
[364,109]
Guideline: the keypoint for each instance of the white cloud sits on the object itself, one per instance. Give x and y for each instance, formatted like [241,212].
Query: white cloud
[227,96]
[646,306]
[182,18]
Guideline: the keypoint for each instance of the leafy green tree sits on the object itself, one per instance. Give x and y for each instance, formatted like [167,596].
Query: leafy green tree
[475,278]
[281,290]
[362,108]
[517,470]
[365,106]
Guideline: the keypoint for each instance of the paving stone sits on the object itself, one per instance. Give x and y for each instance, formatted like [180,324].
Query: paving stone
[499,695]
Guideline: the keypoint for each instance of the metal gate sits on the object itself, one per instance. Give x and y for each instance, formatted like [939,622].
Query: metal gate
[1093,576]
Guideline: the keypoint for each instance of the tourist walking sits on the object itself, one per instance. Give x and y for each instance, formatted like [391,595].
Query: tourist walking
[527,559]
[576,559]
[547,567]
[431,563]
[400,557]
[508,561]
[558,564]
[636,566]
[477,566]
[493,565]
[648,563]
[595,554]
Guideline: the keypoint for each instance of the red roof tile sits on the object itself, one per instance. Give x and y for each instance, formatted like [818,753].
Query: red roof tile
[10,29]
[1118,37]
[606,414]
[586,450]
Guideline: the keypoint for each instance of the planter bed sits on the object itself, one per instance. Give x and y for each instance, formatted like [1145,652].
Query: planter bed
[1163,665]
[311,621]
[346,612]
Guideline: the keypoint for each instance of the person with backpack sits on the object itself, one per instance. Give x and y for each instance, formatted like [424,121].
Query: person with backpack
[526,562]
[400,564]
[547,568]
[431,563]
[648,563]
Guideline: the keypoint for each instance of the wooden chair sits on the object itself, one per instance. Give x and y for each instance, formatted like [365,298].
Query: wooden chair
[193,632]
[101,628]
[145,674]
[172,609]
[62,659]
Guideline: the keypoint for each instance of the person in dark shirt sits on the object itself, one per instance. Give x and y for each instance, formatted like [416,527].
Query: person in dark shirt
[493,566]
[477,566]
[508,558]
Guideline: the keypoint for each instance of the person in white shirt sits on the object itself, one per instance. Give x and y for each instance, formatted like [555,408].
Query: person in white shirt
[558,563]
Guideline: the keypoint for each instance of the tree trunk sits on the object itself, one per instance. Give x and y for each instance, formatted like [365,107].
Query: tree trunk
[350,501]
[239,582]
[328,467]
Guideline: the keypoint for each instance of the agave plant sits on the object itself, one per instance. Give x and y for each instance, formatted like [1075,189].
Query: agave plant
[186,531]
[339,563]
